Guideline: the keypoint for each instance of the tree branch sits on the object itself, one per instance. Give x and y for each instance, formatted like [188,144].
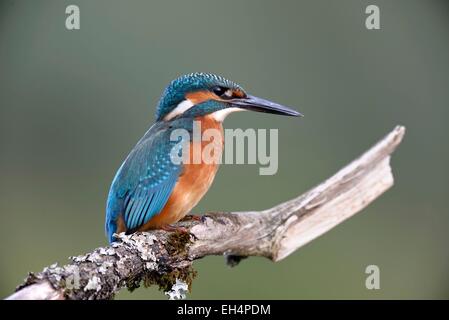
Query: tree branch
[158,257]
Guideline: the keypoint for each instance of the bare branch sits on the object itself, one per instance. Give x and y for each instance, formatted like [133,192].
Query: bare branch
[160,258]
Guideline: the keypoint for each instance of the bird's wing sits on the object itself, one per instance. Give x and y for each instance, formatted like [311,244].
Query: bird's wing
[145,180]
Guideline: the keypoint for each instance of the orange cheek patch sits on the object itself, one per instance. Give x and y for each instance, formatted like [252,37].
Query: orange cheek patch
[238,93]
[201,96]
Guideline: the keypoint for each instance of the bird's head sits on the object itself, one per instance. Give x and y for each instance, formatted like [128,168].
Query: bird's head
[200,94]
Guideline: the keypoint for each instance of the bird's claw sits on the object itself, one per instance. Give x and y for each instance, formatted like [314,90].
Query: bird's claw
[170,228]
[192,217]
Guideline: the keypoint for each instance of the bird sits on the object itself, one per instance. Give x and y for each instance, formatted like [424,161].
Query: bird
[150,190]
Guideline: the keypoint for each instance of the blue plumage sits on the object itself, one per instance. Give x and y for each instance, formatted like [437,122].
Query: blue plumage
[146,178]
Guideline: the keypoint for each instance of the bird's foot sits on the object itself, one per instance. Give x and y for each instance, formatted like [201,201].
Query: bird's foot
[171,228]
[192,217]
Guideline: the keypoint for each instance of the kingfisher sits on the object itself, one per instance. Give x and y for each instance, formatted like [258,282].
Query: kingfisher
[150,190]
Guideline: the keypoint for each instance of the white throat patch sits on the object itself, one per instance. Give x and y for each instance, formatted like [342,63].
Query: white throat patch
[220,115]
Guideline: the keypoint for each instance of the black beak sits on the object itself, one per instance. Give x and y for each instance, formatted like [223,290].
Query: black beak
[262,105]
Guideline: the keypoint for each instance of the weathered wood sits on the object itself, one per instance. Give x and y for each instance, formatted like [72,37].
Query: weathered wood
[159,257]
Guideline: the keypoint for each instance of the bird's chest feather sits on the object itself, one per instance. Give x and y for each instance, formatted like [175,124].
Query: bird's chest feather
[202,165]
[197,175]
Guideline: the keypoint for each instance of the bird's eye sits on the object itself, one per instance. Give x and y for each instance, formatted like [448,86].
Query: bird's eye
[222,92]
[219,91]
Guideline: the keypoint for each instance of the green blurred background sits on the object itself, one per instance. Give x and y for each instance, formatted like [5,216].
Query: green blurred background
[73,103]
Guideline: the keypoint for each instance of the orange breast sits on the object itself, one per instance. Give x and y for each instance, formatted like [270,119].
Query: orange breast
[195,180]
